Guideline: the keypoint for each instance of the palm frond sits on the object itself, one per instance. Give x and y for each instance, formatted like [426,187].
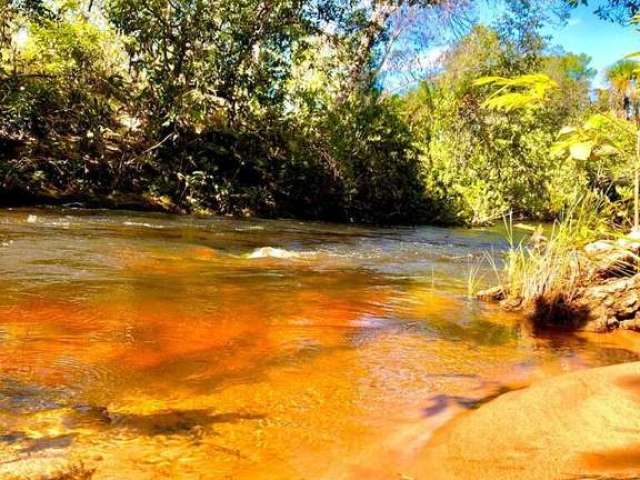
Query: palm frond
[517,93]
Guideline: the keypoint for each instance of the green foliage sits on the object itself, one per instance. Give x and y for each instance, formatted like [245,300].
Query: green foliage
[551,272]
[602,137]
[600,157]
[486,149]
[61,90]
[213,61]
[524,91]
[205,104]
[64,78]
[370,149]
[277,108]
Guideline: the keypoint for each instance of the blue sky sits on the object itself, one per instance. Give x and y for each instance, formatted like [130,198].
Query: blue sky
[584,32]
[604,41]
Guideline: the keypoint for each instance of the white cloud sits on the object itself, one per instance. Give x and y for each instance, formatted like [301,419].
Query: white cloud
[408,61]
[432,57]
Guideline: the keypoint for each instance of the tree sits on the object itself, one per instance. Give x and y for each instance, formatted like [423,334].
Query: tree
[482,162]
[605,147]
[622,81]
[201,60]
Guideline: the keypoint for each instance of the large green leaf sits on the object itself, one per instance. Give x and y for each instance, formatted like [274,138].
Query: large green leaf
[565,131]
[581,151]
[522,92]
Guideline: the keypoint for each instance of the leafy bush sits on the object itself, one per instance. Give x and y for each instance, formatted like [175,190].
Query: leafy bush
[369,148]
[486,151]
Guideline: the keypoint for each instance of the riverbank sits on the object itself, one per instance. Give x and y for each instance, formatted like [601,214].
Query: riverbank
[575,426]
[113,201]
[218,172]
[556,284]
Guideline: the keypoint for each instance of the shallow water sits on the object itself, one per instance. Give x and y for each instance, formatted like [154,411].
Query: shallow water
[151,346]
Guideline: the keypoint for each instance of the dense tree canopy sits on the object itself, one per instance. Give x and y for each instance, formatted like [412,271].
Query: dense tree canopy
[283,108]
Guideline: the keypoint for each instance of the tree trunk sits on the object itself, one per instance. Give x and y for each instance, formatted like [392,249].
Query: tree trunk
[359,75]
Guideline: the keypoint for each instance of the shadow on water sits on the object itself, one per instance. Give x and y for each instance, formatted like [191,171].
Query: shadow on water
[170,422]
[214,378]
[476,331]
[13,437]
[558,312]
[191,424]
[45,443]
[21,398]
[28,445]
[566,343]
[442,402]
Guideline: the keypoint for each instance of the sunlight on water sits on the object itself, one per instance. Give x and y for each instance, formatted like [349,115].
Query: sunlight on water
[150,346]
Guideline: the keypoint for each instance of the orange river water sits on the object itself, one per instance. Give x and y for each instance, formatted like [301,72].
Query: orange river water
[148,346]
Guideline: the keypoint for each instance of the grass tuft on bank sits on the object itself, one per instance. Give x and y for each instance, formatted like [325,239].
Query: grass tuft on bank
[552,275]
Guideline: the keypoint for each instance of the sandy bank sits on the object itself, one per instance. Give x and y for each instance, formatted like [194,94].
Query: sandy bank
[576,426]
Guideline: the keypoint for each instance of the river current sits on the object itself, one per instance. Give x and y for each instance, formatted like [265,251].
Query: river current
[146,346]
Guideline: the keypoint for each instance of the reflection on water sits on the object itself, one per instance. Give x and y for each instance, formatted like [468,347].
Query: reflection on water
[150,346]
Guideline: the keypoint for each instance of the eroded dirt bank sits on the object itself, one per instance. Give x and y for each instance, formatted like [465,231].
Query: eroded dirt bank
[580,425]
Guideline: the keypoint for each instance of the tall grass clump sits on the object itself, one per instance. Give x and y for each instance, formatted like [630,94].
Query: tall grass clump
[474,279]
[550,267]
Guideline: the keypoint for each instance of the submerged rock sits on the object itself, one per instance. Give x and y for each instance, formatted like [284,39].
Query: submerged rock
[495,294]
[599,247]
[511,304]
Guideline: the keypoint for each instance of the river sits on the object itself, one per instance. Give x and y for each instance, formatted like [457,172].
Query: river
[149,346]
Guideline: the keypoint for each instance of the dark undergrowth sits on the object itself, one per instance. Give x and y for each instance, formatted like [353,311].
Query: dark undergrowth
[261,174]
